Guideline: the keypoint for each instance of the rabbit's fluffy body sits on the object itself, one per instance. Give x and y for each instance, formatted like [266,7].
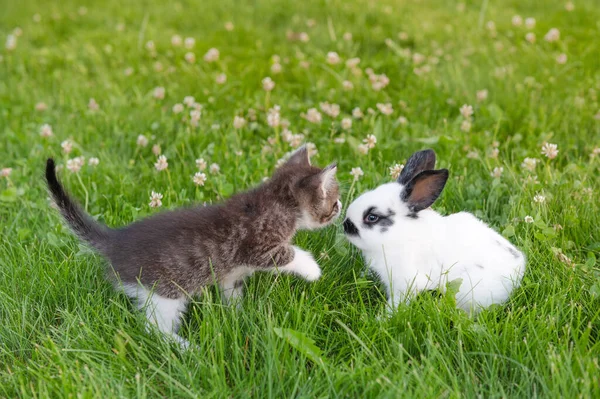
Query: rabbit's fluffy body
[414,249]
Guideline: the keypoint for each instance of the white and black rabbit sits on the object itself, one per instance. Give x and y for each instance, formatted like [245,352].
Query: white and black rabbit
[413,248]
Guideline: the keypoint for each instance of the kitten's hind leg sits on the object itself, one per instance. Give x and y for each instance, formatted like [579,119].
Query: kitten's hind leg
[303,265]
[161,312]
[232,285]
[232,291]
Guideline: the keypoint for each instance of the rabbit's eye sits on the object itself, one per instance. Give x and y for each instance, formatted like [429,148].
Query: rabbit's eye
[371,218]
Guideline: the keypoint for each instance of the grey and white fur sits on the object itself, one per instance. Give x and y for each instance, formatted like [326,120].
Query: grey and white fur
[162,260]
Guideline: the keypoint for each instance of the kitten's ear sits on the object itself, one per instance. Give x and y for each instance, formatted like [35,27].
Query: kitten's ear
[327,177]
[422,191]
[418,162]
[299,157]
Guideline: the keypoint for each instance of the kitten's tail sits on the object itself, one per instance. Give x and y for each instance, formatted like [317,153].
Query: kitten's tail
[89,230]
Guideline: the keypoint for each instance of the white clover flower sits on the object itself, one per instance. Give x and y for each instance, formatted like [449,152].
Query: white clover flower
[11,42]
[142,141]
[561,58]
[539,198]
[238,122]
[347,36]
[494,153]
[74,165]
[211,55]
[268,84]
[195,117]
[346,123]
[221,78]
[363,149]
[156,149]
[303,37]
[465,126]
[273,116]
[159,93]
[199,178]
[176,40]
[529,164]
[517,20]
[553,35]
[528,219]
[296,140]
[370,141]
[333,58]
[357,113]
[128,71]
[178,108]
[530,37]
[161,163]
[482,95]
[189,43]
[352,62]
[201,163]
[313,116]
[472,154]
[418,58]
[402,120]
[46,130]
[5,172]
[569,6]
[189,101]
[550,150]
[214,168]
[150,46]
[347,85]
[333,110]
[378,82]
[339,140]
[396,170]
[530,23]
[497,172]
[276,68]
[93,161]
[93,105]
[385,109]
[67,146]
[466,111]
[229,26]
[41,106]
[155,200]
[356,173]
[190,57]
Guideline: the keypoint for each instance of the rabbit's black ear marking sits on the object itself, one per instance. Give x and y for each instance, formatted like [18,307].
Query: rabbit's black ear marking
[422,191]
[418,162]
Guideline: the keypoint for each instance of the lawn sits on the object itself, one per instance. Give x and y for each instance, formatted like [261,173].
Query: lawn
[506,92]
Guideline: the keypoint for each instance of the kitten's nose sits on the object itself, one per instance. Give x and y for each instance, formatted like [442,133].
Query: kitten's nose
[350,228]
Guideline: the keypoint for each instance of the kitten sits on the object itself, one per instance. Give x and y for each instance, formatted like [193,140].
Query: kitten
[161,260]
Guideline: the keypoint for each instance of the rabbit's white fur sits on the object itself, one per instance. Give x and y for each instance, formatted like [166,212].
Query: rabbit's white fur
[412,252]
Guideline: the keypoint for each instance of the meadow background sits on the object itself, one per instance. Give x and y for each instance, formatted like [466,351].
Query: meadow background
[506,92]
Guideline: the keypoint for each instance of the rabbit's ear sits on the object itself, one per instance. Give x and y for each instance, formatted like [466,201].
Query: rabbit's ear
[422,191]
[299,157]
[418,162]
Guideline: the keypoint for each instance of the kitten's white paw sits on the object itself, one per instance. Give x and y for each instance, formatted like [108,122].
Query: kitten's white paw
[306,266]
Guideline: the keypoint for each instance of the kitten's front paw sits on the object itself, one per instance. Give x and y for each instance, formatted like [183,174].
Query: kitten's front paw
[305,265]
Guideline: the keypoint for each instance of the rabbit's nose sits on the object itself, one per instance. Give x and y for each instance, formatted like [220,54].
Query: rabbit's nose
[350,228]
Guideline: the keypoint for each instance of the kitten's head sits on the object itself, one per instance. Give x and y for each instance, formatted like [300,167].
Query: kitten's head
[315,190]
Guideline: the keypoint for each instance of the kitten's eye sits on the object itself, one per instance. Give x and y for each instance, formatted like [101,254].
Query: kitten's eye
[371,218]
[334,207]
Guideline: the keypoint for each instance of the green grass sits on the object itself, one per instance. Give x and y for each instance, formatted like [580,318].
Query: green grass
[65,332]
